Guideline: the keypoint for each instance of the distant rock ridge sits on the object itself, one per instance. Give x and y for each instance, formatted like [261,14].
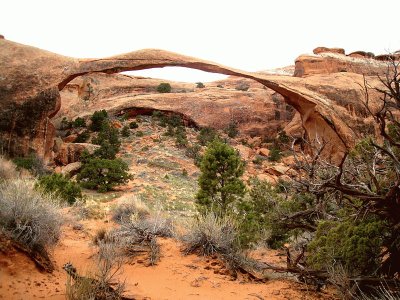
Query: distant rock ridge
[328,104]
[334,60]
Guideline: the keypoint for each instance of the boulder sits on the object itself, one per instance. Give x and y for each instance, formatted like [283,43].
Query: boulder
[319,50]
[263,152]
[277,170]
[71,152]
[71,169]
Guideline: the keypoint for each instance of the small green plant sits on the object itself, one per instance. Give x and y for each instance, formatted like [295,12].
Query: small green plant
[193,151]
[103,174]
[200,85]
[258,160]
[180,137]
[206,135]
[98,118]
[83,137]
[79,122]
[275,154]
[139,133]
[185,173]
[65,123]
[133,125]
[164,87]
[60,186]
[125,132]
[232,129]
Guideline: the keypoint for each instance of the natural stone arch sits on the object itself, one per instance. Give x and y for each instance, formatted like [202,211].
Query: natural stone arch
[31,79]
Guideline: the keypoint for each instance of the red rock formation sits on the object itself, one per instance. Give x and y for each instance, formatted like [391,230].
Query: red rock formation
[329,62]
[31,79]
[320,50]
[257,112]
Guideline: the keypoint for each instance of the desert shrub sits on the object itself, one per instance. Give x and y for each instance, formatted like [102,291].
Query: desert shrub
[103,174]
[219,183]
[232,129]
[133,125]
[170,131]
[181,137]
[164,87]
[193,151]
[98,118]
[108,140]
[65,124]
[355,245]
[101,282]
[83,137]
[89,209]
[274,154]
[79,122]
[32,163]
[200,85]
[61,186]
[283,138]
[125,131]
[143,232]
[139,133]
[206,135]
[258,216]
[210,234]
[8,170]
[28,216]
[242,86]
[130,209]
[258,160]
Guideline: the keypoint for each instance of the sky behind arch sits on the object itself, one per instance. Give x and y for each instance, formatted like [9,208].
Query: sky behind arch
[251,35]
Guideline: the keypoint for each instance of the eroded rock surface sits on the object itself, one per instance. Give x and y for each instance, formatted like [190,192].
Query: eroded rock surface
[257,111]
[30,80]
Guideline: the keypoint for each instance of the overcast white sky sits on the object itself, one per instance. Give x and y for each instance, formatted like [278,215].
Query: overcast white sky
[250,35]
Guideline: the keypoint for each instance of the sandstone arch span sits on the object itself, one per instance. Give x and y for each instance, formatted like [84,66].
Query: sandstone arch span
[30,80]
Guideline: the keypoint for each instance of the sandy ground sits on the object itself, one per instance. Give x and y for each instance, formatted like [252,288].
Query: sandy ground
[176,276]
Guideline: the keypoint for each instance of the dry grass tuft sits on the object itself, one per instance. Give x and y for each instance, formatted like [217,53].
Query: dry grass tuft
[8,169]
[28,216]
[132,208]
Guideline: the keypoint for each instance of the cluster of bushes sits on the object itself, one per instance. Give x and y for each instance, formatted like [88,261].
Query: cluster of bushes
[77,123]
[60,186]
[280,144]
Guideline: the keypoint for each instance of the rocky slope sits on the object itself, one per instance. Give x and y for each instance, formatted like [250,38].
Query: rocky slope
[256,110]
[30,81]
